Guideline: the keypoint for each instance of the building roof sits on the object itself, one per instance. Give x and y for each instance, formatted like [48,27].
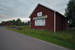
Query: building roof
[47,8]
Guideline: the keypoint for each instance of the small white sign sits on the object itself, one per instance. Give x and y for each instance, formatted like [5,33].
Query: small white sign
[39,14]
[40,22]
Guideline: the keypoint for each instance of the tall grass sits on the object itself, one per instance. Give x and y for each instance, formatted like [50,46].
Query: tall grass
[66,38]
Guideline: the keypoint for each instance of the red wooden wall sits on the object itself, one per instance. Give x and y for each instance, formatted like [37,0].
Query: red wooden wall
[60,23]
[49,21]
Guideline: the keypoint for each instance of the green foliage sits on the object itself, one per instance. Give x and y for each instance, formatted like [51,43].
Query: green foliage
[70,12]
[0,24]
[66,38]
[17,22]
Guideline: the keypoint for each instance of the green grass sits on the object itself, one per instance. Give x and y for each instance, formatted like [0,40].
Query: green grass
[65,39]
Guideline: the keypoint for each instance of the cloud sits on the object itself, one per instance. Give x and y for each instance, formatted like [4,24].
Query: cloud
[6,18]
[23,8]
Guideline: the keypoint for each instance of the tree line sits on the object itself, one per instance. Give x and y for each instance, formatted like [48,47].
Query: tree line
[17,22]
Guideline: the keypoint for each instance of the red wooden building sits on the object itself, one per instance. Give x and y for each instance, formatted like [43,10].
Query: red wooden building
[45,18]
[6,24]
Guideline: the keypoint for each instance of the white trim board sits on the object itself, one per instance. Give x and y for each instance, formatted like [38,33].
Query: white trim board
[54,21]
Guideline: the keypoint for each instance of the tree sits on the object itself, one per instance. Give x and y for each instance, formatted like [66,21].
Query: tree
[14,22]
[18,22]
[70,12]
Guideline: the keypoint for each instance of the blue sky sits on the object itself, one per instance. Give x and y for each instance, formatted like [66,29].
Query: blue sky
[13,9]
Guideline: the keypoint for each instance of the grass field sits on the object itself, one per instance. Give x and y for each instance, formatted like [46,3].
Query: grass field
[65,39]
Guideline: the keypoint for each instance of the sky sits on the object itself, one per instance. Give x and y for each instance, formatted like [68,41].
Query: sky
[14,9]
